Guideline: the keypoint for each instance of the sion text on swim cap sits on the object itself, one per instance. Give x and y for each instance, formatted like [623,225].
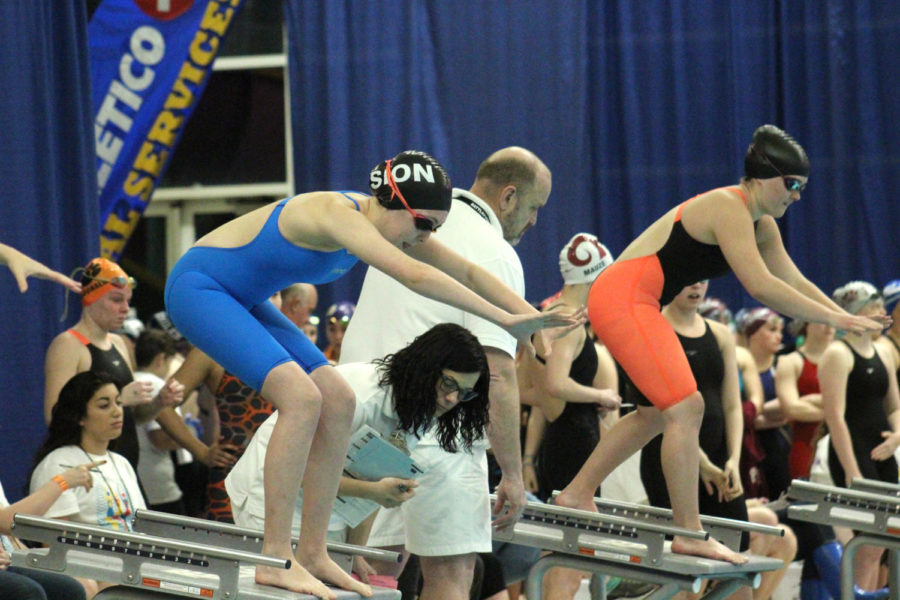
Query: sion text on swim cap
[402,173]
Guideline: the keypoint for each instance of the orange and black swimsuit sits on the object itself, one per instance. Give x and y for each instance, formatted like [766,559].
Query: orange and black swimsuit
[241,411]
[624,309]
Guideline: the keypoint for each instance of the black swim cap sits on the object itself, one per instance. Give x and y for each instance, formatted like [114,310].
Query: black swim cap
[785,156]
[421,179]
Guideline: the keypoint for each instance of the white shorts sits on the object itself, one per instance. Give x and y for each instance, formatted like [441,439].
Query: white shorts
[450,513]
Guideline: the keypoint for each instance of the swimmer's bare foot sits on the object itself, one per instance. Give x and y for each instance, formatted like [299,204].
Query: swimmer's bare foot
[568,499]
[296,579]
[708,549]
[327,570]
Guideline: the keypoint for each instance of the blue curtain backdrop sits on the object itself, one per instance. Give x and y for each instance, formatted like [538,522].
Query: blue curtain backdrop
[48,203]
[634,106]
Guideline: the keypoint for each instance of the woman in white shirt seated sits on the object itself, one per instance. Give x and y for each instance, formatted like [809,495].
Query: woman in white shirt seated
[86,420]
[440,379]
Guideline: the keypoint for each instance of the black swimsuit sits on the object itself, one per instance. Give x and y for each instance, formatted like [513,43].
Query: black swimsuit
[867,385]
[708,368]
[114,364]
[569,439]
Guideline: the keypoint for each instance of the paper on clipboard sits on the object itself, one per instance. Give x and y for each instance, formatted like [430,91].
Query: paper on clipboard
[371,457]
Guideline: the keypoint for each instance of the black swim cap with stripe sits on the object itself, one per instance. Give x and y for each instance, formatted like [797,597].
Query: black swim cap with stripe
[774,153]
[421,179]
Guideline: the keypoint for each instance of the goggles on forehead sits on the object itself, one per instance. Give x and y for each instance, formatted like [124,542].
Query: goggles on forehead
[421,222]
[120,281]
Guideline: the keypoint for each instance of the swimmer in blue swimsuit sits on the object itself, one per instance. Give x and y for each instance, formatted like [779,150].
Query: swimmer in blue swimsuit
[217,297]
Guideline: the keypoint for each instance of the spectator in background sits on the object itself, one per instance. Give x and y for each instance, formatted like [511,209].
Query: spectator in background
[201,424]
[797,387]
[762,329]
[130,330]
[311,329]
[87,419]
[710,350]
[566,393]
[336,320]
[891,338]
[91,345]
[862,409]
[716,310]
[154,352]
[298,302]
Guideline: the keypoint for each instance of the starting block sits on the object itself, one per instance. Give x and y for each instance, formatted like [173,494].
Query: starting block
[876,487]
[871,508]
[153,566]
[629,541]
[214,533]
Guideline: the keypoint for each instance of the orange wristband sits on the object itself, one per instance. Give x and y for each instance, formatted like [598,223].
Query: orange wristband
[61,482]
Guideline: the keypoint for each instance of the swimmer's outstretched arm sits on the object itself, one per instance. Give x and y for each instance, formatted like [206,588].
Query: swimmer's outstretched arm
[23,267]
[476,278]
[733,229]
[355,233]
[771,248]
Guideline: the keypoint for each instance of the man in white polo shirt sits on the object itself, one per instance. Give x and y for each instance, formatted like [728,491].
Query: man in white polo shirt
[449,519]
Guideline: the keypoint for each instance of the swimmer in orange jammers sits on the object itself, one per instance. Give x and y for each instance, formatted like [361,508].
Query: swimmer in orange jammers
[726,229]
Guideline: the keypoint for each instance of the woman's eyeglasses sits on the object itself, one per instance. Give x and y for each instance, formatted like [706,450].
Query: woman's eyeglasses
[791,184]
[422,222]
[450,385]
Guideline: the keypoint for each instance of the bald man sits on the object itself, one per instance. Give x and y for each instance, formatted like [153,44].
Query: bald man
[298,302]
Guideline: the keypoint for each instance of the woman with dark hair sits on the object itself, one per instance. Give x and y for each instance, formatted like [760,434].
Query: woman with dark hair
[727,229]
[441,378]
[85,423]
[315,238]
[431,363]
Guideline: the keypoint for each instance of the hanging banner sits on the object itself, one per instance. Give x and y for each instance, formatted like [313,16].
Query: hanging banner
[150,60]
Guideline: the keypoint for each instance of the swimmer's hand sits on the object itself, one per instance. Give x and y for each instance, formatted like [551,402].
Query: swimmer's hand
[23,267]
[137,393]
[171,394]
[886,449]
[550,324]
[858,324]
[219,454]
[608,399]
